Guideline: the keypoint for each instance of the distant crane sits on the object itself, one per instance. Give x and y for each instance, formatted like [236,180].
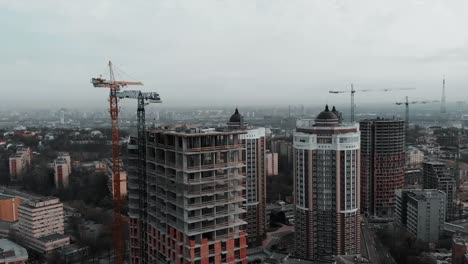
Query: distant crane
[144,98]
[407,103]
[115,87]
[353,91]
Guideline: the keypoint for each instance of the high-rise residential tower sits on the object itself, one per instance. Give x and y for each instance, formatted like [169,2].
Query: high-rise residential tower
[382,164]
[436,175]
[194,195]
[326,187]
[255,182]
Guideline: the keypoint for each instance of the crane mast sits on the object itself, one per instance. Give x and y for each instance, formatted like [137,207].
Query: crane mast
[407,111]
[144,98]
[115,87]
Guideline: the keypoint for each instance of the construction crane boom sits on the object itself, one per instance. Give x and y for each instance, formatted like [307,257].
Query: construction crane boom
[114,87]
[147,97]
[407,103]
[353,91]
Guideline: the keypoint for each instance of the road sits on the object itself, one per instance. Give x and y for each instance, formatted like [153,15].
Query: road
[274,237]
[372,248]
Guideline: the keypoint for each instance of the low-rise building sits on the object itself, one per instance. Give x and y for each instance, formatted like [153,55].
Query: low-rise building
[421,212]
[9,208]
[20,162]
[41,226]
[12,253]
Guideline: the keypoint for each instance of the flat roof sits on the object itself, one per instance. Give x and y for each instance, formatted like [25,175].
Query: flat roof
[6,196]
[52,237]
[5,224]
[12,250]
[194,130]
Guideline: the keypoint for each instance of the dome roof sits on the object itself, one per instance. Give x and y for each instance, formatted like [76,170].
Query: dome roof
[327,116]
[236,117]
[335,111]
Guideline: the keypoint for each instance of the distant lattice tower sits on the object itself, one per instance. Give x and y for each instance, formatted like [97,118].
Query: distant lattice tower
[443,109]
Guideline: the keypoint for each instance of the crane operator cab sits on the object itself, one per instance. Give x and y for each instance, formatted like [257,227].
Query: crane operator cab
[152,96]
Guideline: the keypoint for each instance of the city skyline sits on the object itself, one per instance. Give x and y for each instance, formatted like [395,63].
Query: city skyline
[278,52]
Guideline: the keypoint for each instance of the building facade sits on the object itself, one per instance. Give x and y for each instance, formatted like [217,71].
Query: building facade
[382,164]
[110,179]
[62,170]
[19,163]
[326,187]
[9,208]
[272,164]
[41,226]
[437,176]
[421,212]
[255,171]
[195,186]
[414,157]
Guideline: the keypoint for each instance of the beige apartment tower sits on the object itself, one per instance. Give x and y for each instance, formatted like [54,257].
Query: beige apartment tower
[326,187]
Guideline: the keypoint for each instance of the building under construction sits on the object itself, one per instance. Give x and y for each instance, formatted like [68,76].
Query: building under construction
[194,197]
[382,164]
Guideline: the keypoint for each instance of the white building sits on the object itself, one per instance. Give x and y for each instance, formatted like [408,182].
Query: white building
[421,212]
[41,226]
[414,157]
[255,171]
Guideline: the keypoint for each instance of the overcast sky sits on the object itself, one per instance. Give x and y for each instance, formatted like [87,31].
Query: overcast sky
[232,52]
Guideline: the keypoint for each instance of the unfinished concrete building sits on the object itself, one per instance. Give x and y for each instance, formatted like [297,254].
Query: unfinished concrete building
[382,164]
[194,187]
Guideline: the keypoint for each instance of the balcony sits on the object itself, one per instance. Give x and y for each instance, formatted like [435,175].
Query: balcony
[214,166]
[214,227]
[215,202]
[215,148]
[217,214]
[218,177]
[212,191]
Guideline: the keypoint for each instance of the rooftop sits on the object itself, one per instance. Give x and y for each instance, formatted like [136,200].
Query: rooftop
[11,251]
[52,237]
[5,225]
[381,119]
[6,196]
[193,130]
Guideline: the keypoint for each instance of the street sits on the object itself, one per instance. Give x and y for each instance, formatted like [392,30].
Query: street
[372,248]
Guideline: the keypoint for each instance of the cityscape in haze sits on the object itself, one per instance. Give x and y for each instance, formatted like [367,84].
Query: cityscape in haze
[223,132]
